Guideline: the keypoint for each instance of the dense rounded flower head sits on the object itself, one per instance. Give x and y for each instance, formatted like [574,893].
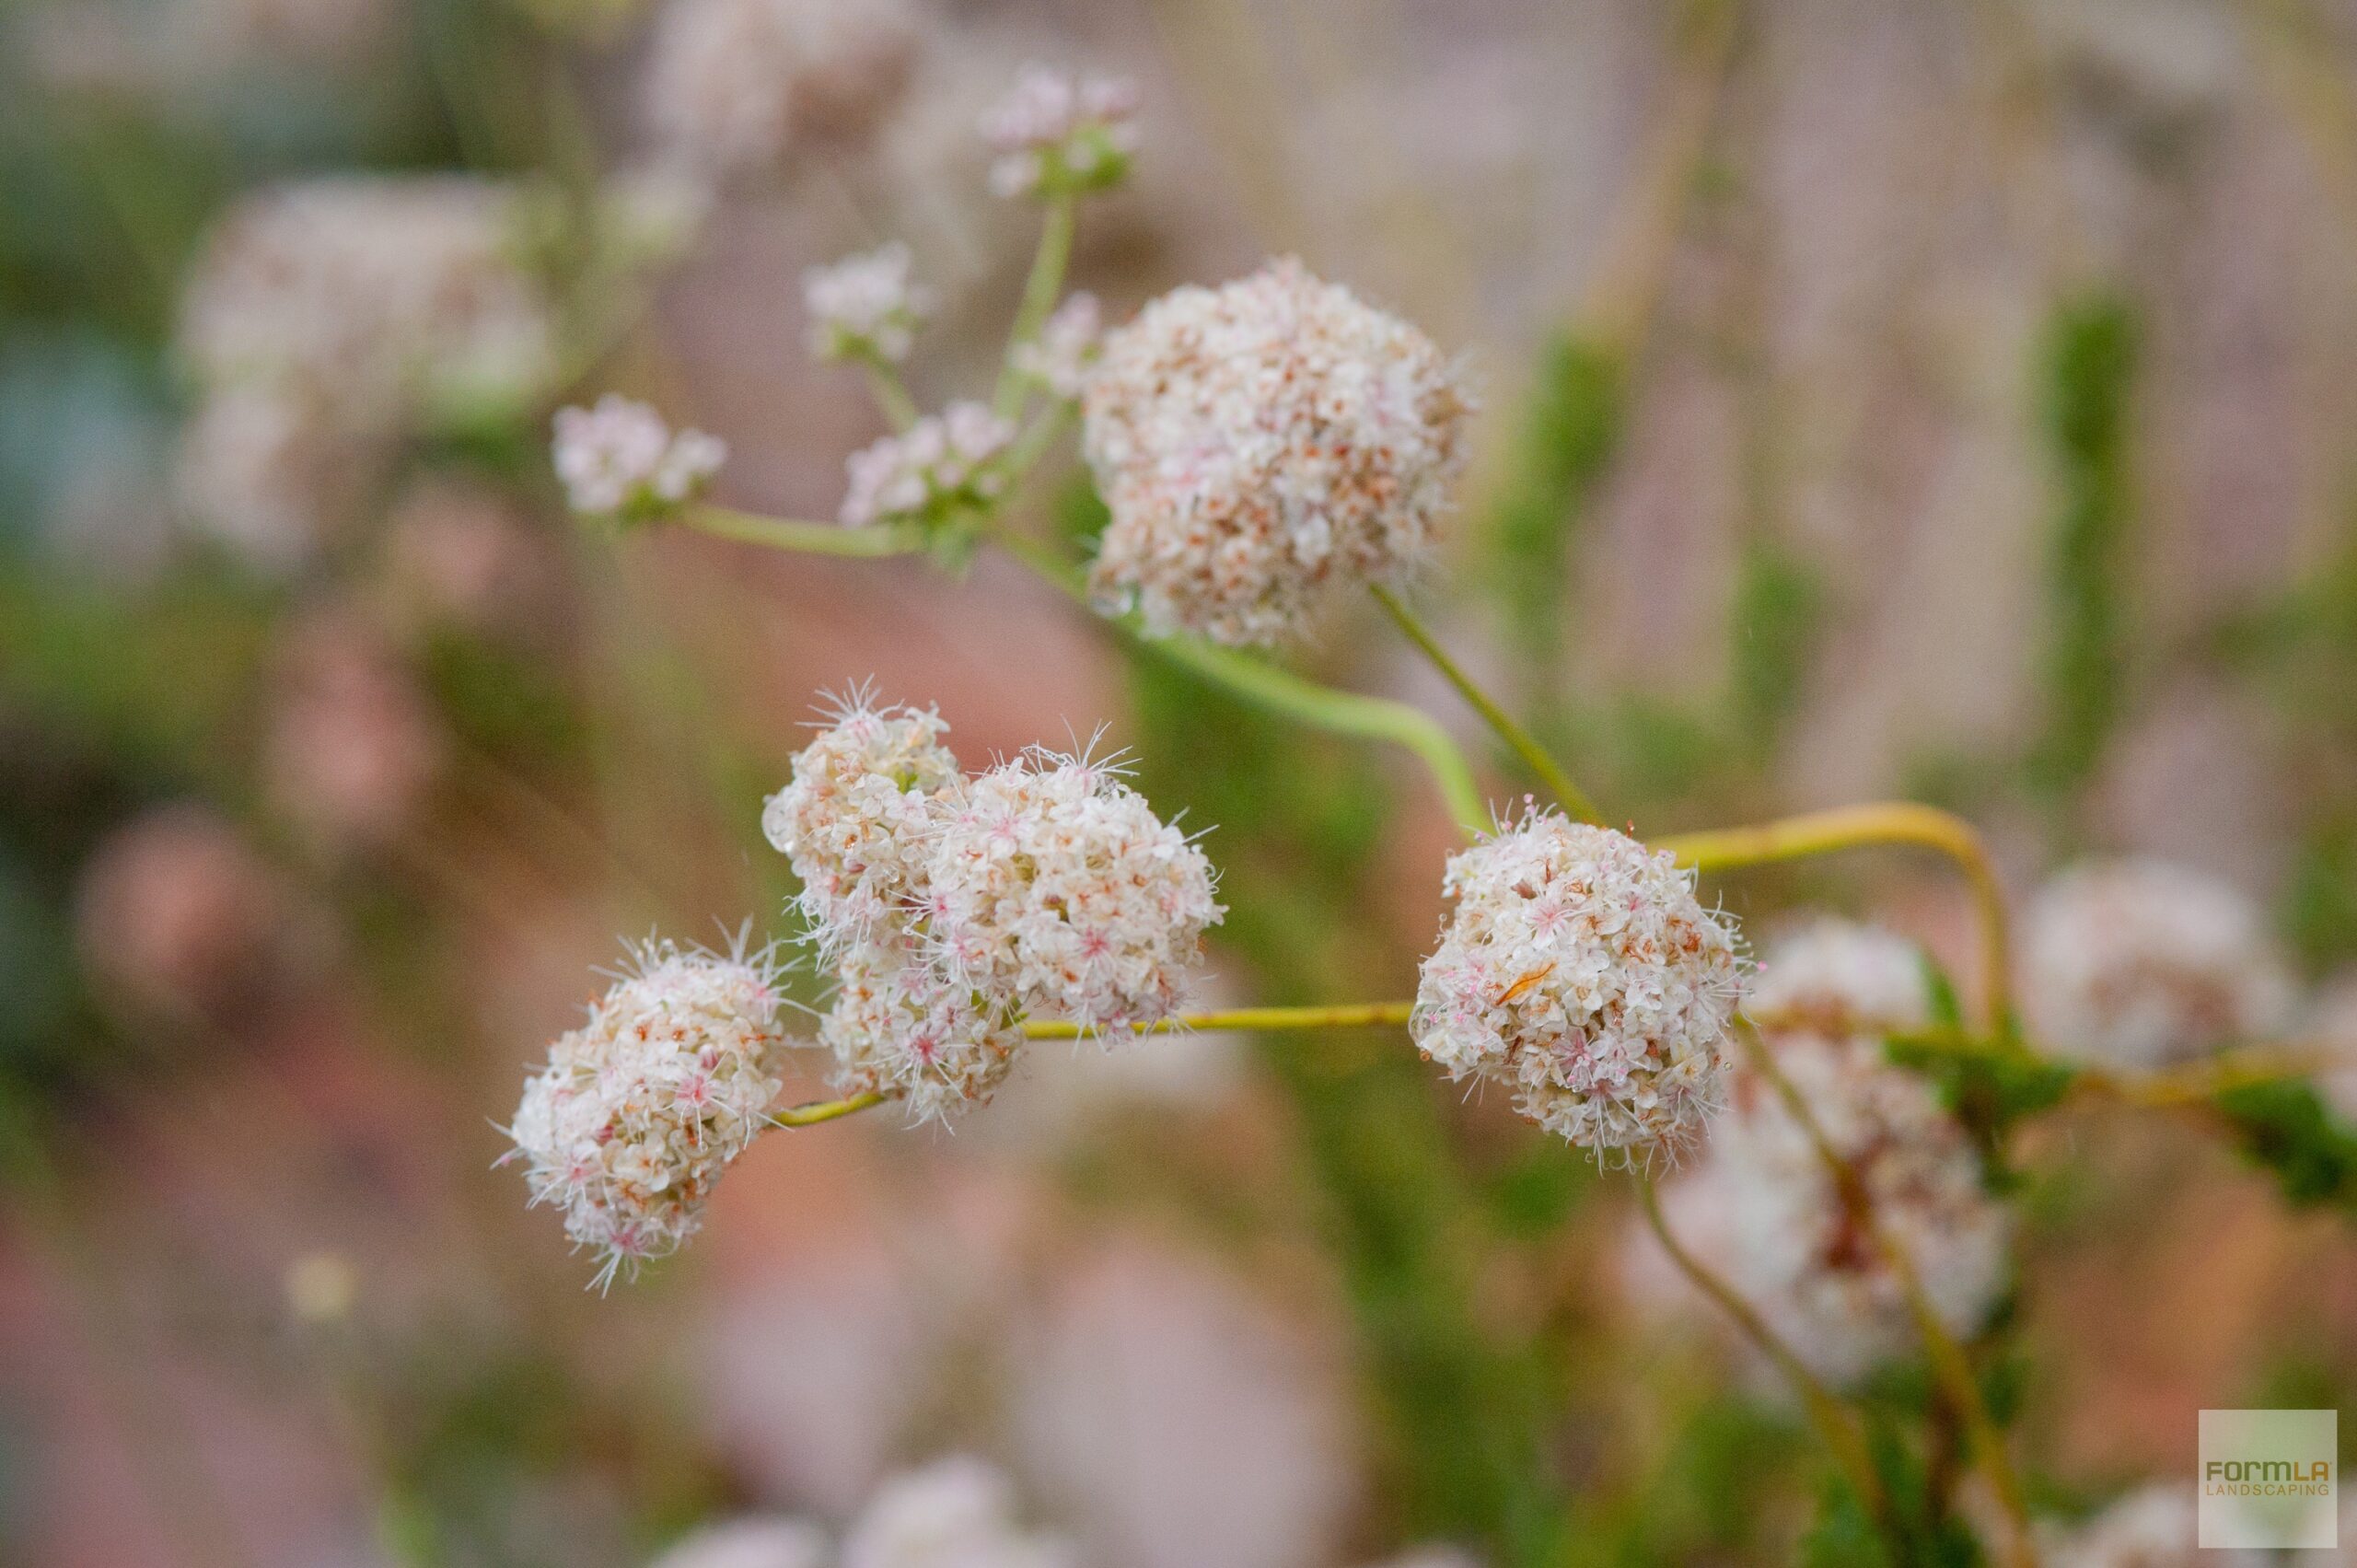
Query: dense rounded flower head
[955,1513]
[866,306]
[1052,883]
[1059,134]
[1061,358]
[1579,970]
[900,1027]
[1260,443]
[942,463]
[641,1109]
[2139,963]
[854,820]
[1838,975]
[733,85]
[622,460]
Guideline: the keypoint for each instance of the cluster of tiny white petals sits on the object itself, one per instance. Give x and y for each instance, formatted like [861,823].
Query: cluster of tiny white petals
[901,1028]
[620,458]
[1066,349]
[641,1109]
[2140,963]
[1261,443]
[1051,882]
[1784,1236]
[1058,133]
[1579,970]
[955,1513]
[866,304]
[732,85]
[2156,1526]
[942,462]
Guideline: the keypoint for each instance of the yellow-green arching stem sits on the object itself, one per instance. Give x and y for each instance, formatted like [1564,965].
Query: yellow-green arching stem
[892,396]
[1040,291]
[810,1115]
[1827,1413]
[1856,826]
[1519,741]
[1351,1016]
[809,538]
[1949,1364]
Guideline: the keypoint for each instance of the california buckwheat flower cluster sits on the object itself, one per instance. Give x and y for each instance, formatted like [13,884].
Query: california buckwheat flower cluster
[620,460]
[641,1109]
[953,909]
[1260,443]
[1061,358]
[1057,134]
[2141,964]
[1782,1236]
[1578,971]
[937,467]
[865,306]
[733,85]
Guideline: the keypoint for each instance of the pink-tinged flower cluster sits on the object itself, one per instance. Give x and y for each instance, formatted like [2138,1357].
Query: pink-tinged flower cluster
[1057,134]
[865,306]
[941,463]
[620,460]
[1763,1211]
[2139,964]
[1067,348]
[1578,971]
[1260,443]
[734,84]
[641,1109]
[954,909]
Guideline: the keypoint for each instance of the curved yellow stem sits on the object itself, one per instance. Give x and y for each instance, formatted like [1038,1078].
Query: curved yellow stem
[820,1110]
[812,539]
[1855,826]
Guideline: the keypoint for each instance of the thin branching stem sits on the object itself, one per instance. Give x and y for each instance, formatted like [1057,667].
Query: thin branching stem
[816,1111]
[1039,290]
[891,394]
[805,537]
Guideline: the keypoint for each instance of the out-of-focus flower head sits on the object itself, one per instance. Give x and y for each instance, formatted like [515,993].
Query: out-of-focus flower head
[620,460]
[763,1541]
[641,1109]
[939,465]
[955,1513]
[176,917]
[1257,445]
[464,555]
[1067,348]
[261,472]
[865,306]
[734,85]
[2152,1527]
[1057,134]
[353,746]
[1838,976]
[2138,964]
[1578,971]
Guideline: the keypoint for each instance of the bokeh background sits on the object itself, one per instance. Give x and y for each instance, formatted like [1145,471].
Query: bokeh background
[1930,397]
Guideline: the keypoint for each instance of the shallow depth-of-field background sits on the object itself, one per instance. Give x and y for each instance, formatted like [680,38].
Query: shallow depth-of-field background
[1948,400]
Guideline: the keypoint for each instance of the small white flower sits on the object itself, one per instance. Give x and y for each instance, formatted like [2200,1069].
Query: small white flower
[955,1513]
[2139,964]
[865,306]
[1067,346]
[759,1542]
[641,1109]
[1060,133]
[1578,971]
[622,460]
[1260,443]
[937,465]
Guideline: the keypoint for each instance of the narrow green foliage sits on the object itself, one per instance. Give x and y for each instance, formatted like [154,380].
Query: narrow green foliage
[2089,371]
[2283,1127]
[1989,1085]
[1570,428]
[1772,624]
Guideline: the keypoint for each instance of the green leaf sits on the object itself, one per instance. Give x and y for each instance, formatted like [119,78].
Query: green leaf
[2284,1127]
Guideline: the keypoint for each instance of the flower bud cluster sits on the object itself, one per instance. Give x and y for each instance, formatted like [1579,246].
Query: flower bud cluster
[941,464]
[865,306]
[1057,134]
[620,460]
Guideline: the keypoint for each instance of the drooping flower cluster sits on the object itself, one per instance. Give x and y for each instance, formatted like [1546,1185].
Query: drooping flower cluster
[641,1109]
[953,907]
[955,1513]
[1260,443]
[733,85]
[1763,1211]
[1057,134]
[1061,358]
[866,306]
[2139,964]
[938,465]
[1578,971]
[622,460]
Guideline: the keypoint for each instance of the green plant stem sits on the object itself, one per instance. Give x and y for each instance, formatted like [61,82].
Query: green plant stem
[1350,1015]
[1519,741]
[892,396]
[1827,1413]
[816,1111]
[806,538]
[1040,291]
[1949,1364]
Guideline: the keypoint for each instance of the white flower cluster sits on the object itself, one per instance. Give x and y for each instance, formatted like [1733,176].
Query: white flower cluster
[1061,358]
[2139,964]
[1057,134]
[941,463]
[732,85]
[641,1109]
[620,460]
[1763,1211]
[1258,443]
[2152,1527]
[955,1513]
[1579,970]
[866,306]
[955,907]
